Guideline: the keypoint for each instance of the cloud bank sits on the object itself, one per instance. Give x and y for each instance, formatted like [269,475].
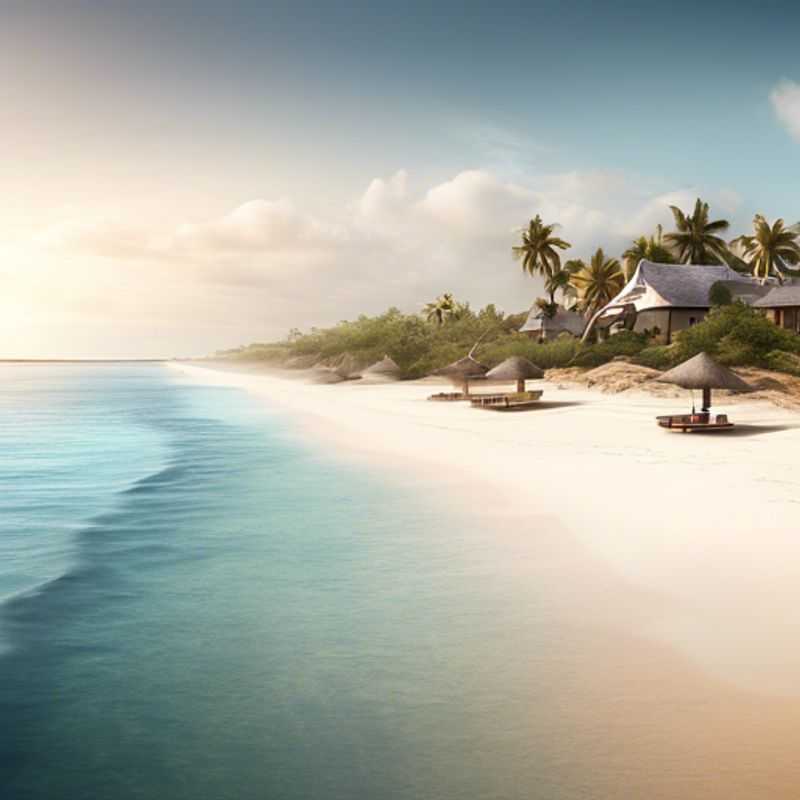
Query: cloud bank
[271,264]
[785,99]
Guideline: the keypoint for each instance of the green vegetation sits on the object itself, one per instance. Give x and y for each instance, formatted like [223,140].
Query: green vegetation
[539,253]
[720,295]
[596,282]
[417,345]
[772,250]
[649,247]
[736,335]
[696,240]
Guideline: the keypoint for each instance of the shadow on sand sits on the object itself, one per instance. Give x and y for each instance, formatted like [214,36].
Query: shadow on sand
[558,404]
[746,430]
[542,405]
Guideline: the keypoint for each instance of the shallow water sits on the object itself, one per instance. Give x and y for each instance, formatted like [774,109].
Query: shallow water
[197,604]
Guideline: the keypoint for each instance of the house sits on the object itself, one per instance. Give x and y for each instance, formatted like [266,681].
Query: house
[782,305]
[540,326]
[666,298]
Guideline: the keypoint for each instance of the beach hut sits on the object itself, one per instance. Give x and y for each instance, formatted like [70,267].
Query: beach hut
[667,298]
[386,369]
[702,372]
[516,369]
[464,370]
[540,325]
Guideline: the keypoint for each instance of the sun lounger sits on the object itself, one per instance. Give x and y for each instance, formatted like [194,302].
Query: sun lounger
[519,401]
[449,396]
[695,422]
[481,400]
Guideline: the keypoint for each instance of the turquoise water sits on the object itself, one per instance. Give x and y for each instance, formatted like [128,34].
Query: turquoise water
[196,604]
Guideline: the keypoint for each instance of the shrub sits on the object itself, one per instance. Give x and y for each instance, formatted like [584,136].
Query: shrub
[736,335]
[657,357]
[720,295]
[781,361]
[624,343]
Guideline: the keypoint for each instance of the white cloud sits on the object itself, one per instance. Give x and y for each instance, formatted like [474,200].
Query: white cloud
[476,203]
[384,197]
[259,225]
[785,99]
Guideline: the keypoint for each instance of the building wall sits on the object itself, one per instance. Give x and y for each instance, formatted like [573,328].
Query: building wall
[683,318]
[787,317]
[668,324]
[650,320]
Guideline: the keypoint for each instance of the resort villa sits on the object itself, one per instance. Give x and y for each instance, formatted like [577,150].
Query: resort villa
[666,298]
[539,325]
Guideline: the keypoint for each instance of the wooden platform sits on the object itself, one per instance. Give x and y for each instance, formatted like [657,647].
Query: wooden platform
[687,423]
[518,401]
[449,397]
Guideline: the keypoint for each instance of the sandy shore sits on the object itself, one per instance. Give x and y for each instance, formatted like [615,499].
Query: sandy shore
[677,555]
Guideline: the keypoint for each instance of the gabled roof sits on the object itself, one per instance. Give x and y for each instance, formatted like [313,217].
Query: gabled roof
[786,295]
[563,320]
[672,286]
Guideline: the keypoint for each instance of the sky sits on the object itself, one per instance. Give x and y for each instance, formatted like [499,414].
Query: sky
[182,177]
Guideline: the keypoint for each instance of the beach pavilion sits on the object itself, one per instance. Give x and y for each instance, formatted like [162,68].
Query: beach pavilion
[701,372]
[516,369]
[464,370]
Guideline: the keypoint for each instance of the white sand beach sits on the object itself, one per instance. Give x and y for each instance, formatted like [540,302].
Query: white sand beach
[675,558]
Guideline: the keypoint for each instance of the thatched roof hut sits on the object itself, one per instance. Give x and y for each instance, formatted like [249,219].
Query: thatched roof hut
[386,368]
[702,372]
[516,369]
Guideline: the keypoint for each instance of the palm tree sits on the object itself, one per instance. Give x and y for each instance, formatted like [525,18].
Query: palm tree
[561,281]
[440,309]
[539,249]
[597,282]
[772,249]
[650,248]
[696,241]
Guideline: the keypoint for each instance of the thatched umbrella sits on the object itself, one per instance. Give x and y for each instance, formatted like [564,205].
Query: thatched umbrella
[462,371]
[516,369]
[385,368]
[702,372]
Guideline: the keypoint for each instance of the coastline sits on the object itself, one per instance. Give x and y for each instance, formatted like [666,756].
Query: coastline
[681,599]
[672,515]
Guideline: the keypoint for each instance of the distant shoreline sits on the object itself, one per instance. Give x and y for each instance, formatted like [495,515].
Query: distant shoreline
[87,360]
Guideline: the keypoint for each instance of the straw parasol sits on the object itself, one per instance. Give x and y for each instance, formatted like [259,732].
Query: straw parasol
[385,368]
[702,372]
[462,371]
[516,369]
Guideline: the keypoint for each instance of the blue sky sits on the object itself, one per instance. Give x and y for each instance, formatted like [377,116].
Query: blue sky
[129,122]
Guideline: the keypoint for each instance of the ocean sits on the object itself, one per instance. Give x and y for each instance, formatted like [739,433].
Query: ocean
[196,603]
